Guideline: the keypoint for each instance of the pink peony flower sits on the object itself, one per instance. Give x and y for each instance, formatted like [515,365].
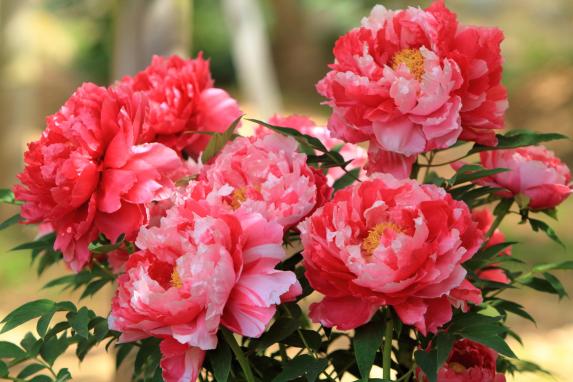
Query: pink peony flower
[535,173]
[468,362]
[415,80]
[484,218]
[201,268]
[305,125]
[91,172]
[266,174]
[388,242]
[182,100]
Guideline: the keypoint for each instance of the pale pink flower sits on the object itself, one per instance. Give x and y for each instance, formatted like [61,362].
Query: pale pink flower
[266,174]
[203,267]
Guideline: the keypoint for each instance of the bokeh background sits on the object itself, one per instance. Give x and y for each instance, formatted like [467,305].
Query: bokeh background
[268,54]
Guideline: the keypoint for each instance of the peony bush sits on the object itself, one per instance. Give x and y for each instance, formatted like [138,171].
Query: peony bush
[296,253]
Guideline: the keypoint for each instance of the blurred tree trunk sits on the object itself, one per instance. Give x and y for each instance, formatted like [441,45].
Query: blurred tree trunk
[18,101]
[299,56]
[251,54]
[147,27]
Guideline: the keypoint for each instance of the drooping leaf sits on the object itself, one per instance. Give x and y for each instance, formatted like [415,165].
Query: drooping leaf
[367,340]
[517,138]
[539,225]
[428,362]
[27,312]
[10,221]
[221,361]
[218,141]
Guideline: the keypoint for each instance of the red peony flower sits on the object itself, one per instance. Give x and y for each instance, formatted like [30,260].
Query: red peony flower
[484,218]
[202,267]
[389,242]
[535,173]
[266,174]
[91,172]
[182,99]
[354,153]
[468,362]
[415,80]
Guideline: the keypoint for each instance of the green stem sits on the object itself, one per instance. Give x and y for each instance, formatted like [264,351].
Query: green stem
[494,225]
[230,339]
[387,350]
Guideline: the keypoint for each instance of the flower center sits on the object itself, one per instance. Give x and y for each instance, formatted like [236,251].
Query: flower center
[238,196]
[176,279]
[372,241]
[413,59]
[457,368]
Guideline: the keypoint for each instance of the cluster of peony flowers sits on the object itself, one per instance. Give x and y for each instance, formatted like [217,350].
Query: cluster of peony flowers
[206,239]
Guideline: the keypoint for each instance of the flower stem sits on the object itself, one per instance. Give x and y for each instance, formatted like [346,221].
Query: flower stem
[230,339]
[387,350]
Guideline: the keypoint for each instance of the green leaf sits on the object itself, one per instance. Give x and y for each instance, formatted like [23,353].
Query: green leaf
[303,365]
[304,139]
[122,352]
[311,337]
[31,344]
[10,350]
[503,207]
[221,361]
[79,321]
[7,196]
[539,225]
[517,138]
[3,369]
[347,179]
[514,308]
[101,328]
[31,370]
[468,173]
[428,362]
[218,141]
[556,284]
[444,344]
[53,348]
[97,246]
[93,287]
[63,375]
[44,323]
[41,378]
[26,313]
[553,266]
[279,330]
[495,342]
[367,340]
[10,221]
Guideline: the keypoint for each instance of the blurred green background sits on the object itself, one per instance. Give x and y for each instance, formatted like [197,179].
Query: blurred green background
[269,54]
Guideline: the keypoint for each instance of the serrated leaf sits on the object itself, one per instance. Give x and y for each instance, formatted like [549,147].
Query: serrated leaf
[26,313]
[218,141]
[303,365]
[221,359]
[367,340]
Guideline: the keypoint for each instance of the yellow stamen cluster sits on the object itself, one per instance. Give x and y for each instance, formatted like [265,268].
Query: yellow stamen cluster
[372,241]
[237,197]
[176,279]
[457,368]
[413,59]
